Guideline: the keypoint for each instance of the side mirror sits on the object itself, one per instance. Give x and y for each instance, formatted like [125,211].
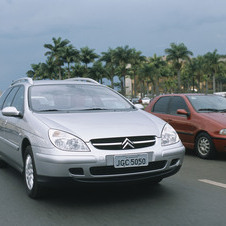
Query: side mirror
[183,112]
[139,106]
[11,112]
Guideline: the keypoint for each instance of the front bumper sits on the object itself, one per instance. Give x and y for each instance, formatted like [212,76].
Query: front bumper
[220,144]
[98,165]
[153,176]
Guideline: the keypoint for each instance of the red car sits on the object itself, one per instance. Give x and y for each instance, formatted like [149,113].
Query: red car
[199,119]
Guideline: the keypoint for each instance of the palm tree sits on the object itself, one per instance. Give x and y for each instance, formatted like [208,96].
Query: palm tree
[189,75]
[33,73]
[70,55]
[158,63]
[167,78]
[213,65]
[123,56]
[177,54]
[200,70]
[78,70]
[97,71]
[146,75]
[43,70]
[87,56]
[136,61]
[221,78]
[56,52]
[110,64]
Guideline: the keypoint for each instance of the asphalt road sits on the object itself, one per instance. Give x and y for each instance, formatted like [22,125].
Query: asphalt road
[179,200]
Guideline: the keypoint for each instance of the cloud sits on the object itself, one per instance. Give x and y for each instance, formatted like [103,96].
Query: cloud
[147,25]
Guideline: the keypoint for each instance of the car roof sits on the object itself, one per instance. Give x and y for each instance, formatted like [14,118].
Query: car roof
[78,80]
[58,82]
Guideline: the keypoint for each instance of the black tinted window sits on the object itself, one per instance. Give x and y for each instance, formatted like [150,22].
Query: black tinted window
[161,105]
[177,103]
[10,97]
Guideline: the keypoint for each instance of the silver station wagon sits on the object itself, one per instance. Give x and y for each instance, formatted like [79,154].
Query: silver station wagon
[80,130]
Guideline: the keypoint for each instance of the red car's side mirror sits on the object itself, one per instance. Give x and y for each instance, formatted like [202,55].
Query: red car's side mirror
[183,112]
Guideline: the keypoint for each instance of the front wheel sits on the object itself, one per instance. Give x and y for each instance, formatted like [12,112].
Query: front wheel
[33,187]
[204,146]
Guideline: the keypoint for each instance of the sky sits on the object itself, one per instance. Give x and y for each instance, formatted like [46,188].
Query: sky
[146,25]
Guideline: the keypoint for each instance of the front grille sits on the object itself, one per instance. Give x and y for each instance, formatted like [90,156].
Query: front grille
[122,143]
[110,170]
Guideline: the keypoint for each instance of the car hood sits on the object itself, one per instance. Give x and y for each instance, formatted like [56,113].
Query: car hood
[218,117]
[92,125]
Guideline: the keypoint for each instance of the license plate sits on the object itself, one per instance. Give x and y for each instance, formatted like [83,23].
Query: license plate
[124,161]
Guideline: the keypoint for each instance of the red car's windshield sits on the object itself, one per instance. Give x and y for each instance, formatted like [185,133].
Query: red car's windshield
[208,103]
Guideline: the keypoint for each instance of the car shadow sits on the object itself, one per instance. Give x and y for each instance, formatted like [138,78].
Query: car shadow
[100,194]
[221,156]
[190,152]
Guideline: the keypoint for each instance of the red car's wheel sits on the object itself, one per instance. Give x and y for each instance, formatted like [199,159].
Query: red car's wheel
[204,146]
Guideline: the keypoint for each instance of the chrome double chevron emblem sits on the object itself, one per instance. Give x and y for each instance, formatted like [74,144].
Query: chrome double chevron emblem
[127,144]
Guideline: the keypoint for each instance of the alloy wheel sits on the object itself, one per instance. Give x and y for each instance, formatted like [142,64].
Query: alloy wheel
[204,145]
[29,172]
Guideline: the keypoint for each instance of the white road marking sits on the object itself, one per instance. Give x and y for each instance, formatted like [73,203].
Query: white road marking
[213,183]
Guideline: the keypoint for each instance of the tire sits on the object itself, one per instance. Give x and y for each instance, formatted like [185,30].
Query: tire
[33,187]
[204,146]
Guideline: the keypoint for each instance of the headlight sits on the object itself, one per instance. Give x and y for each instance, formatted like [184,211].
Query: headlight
[66,141]
[169,135]
[223,132]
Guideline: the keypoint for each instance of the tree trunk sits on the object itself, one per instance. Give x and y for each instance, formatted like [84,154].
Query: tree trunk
[122,85]
[68,68]
[214,83]
[199,84]
[157,88]
[207,90]
[112,82]
[178,81]
[60,76]
[135,86]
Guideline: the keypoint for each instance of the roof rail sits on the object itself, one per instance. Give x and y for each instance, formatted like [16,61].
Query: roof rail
[83,80]
[25,79]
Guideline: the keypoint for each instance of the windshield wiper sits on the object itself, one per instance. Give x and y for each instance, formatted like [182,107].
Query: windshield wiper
[209,109]
[92,109]
[46,110]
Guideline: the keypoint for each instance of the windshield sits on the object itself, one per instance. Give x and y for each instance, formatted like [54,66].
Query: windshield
[74,97]
[208,103]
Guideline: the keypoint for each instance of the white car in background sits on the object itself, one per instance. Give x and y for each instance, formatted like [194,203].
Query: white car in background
[145,100]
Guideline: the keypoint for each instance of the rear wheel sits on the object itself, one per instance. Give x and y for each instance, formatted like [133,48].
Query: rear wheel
[33,187]
[204,146]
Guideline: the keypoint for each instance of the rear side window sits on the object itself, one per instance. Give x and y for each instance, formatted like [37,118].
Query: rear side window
[18,101]
[161,106]
[177,103]
[10,97]
[4,95]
